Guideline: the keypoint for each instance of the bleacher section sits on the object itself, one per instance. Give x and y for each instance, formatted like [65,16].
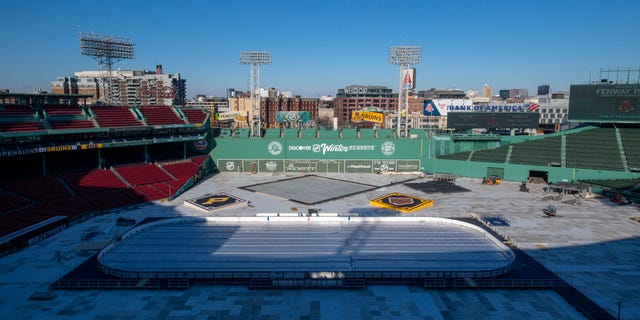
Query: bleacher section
[199,160]
[160,116]
[21,126]
[112,198]
[142,174]
[71,124]
[498,155]
[62,110]
[98,180]
[50,152]
[37,188]
[16,112]
[10,201]
[66,117]
[542,152]
[463,156]
[110,117]
[594,149]
[194,115]
[27,201]
[631,143]
[181,170]
[19,119]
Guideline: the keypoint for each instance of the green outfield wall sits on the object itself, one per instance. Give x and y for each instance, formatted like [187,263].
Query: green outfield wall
[320,155]
[295,155]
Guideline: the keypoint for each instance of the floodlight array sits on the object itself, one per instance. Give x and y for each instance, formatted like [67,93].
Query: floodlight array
[255,57]
[109,47]
[405,55]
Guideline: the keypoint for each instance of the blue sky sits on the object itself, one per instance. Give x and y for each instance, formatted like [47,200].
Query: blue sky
[320,46]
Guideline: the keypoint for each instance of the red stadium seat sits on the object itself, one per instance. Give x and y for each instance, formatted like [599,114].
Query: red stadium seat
[160,116]
[109,117]
[195,115]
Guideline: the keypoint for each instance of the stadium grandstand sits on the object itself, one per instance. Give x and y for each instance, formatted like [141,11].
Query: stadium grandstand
[63,162]
[61,159]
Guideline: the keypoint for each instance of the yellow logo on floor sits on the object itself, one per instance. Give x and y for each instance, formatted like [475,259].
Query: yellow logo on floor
[401,202]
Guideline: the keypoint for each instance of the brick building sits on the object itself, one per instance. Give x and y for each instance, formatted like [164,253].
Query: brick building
[271,105]
[125,87]
[359,97]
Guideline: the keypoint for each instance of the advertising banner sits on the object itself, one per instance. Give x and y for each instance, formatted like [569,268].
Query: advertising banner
[467,120]
[323,166]
[368,116]
[409,78]
[232,116]
[292,116]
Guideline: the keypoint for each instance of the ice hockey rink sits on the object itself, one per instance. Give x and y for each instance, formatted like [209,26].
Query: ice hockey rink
[593,247]
[299,247]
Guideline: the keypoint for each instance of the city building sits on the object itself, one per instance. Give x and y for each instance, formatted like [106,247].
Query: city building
[326,102]
[361,97]
[434,93]
[242,105]
[486,91]
[514,95]
[233,93]
[272,105]
[544,90]
[77,85]
[214,104]
[553,112]
[125,87]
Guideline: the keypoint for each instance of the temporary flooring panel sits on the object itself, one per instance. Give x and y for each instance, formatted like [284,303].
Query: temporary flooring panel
[310,189]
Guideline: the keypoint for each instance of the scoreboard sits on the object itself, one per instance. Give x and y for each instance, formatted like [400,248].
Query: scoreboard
[605,103]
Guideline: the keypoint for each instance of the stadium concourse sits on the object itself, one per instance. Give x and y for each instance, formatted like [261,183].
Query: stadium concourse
[592,246]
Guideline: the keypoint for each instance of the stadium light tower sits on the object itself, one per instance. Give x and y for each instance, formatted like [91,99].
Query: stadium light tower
[107,50]
[255,59]
[404,56]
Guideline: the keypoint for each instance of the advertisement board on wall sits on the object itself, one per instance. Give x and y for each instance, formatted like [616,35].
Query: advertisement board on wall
[321,166]
[292,116]
[467,120]
[367,116]
[409,78]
